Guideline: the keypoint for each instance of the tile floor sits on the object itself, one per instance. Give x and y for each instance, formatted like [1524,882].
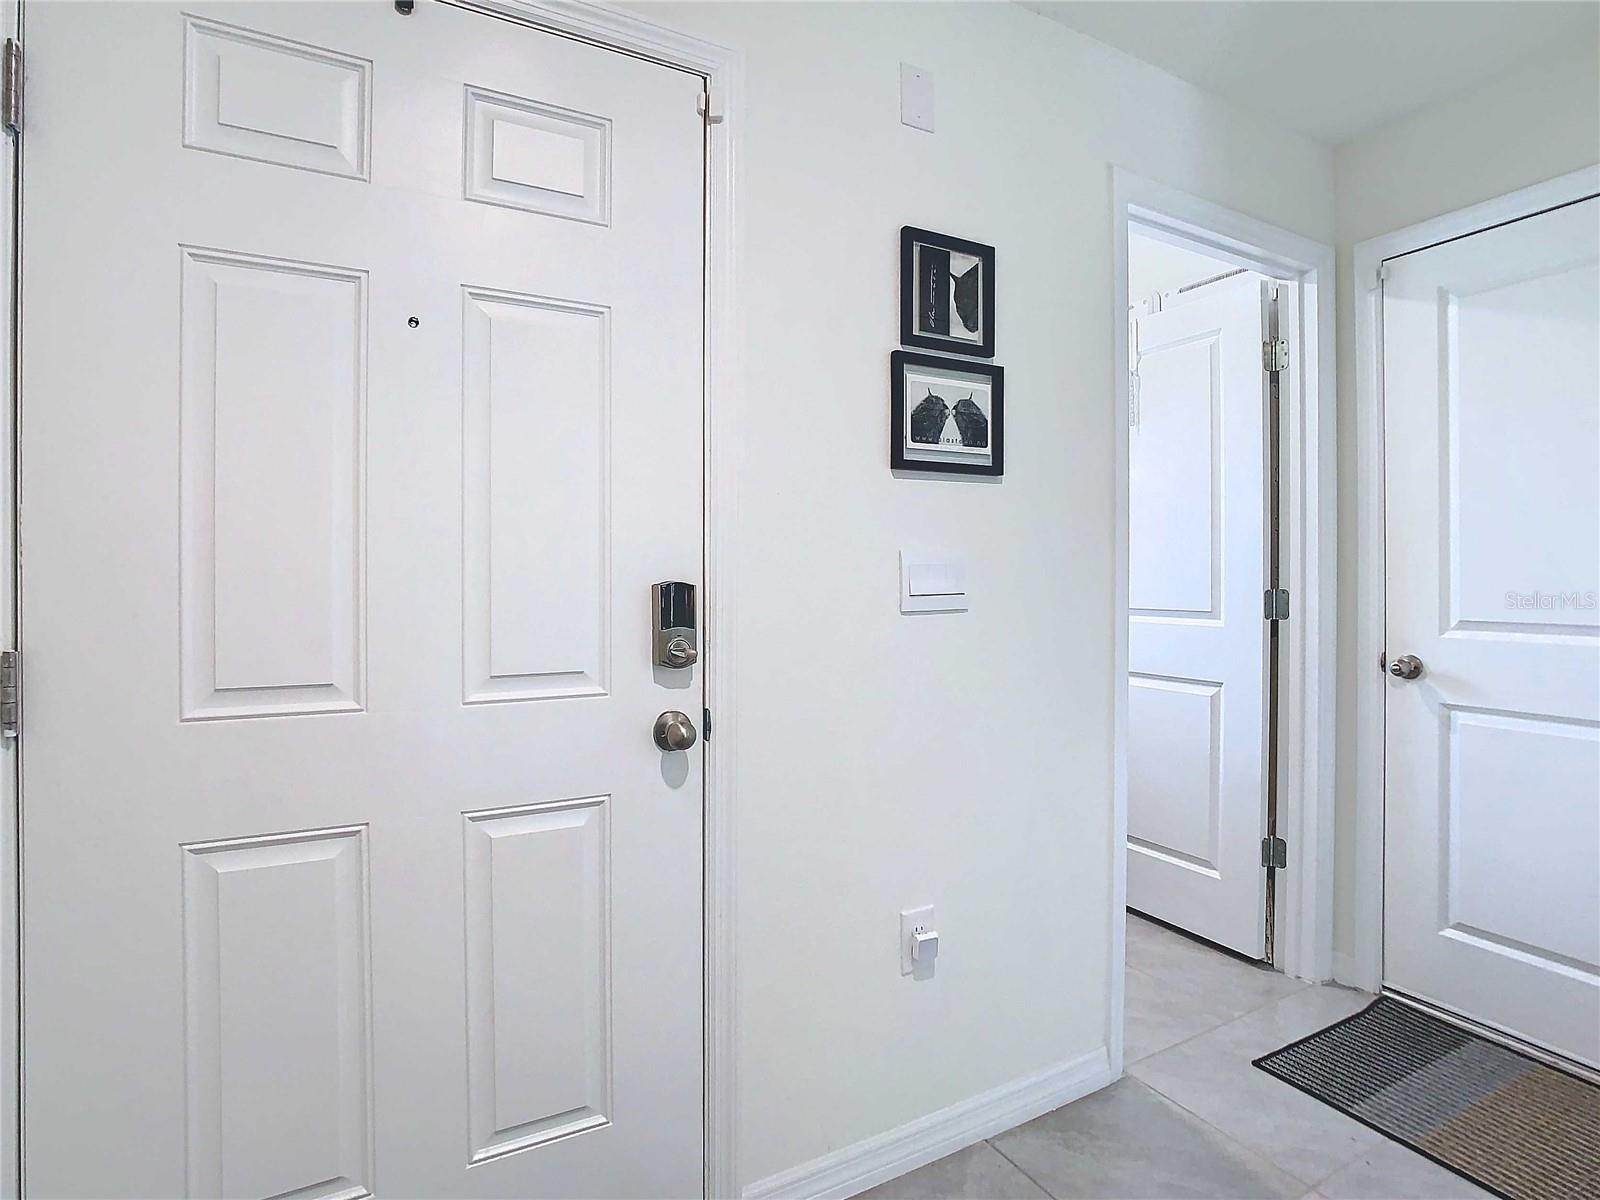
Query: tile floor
[1192,1117]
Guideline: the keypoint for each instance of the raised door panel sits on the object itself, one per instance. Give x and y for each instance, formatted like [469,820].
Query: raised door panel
[537,505]
[538,973]
[273,392]
[1523,515]
[251,95]
[537,157]
[1175,770]
[1175,482]
[277,1016]
[1503,822]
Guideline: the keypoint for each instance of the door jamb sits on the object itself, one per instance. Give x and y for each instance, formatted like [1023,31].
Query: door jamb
[1306,702]
[722,68]
[10,842]
[1364,966]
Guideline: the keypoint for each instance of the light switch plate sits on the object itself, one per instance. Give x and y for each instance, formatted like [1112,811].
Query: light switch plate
[932,583]
[912,920]
[916,97]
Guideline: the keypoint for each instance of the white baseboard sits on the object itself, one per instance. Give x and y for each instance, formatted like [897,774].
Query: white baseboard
[843,1173]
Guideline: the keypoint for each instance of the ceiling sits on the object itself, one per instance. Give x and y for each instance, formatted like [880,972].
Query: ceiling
[1354,64]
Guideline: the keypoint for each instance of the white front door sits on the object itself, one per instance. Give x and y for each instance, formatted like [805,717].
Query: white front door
[1491,392]
[1197,566]
[362,406]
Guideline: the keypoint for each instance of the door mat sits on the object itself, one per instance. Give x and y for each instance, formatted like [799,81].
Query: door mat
[1509,1123]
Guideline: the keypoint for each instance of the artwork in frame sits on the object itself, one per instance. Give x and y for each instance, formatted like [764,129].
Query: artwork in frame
[946,415]
[946,293]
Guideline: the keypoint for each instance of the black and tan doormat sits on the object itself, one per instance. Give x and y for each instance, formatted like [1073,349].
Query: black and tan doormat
[1507,1122]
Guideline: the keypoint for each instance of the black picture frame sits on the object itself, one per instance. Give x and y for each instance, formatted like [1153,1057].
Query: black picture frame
[950,459]
[928,300]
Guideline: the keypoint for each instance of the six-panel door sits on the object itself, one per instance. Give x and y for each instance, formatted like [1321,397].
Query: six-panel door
[362,407]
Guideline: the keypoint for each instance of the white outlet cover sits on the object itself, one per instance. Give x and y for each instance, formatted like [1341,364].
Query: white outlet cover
[912,920]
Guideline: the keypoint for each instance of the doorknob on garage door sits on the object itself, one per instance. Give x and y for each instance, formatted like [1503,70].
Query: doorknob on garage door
[1407,666]
[674,731]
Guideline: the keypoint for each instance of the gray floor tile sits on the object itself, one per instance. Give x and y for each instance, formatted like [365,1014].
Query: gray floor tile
[1211,1076]
[1388,1171]
[1177,988]
[976,1173]
[1129,1142]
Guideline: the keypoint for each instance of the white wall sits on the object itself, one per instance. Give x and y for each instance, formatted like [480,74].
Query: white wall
[1530,126]
[1156,266]
[964,761]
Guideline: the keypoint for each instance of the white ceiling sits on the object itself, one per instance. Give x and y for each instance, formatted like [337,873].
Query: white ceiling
[1333,68]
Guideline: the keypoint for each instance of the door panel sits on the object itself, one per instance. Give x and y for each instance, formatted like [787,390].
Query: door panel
[273,392]
[537,443]
[539,1058]
[362,407]
[1197,567]
[1491,361]
[275,953]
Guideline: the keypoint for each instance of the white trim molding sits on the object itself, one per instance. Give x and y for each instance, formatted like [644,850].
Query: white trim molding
[866,1164]
[1363,967]
[1304,901]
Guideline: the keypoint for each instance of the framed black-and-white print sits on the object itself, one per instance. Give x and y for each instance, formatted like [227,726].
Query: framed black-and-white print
[946,293]
[946,415]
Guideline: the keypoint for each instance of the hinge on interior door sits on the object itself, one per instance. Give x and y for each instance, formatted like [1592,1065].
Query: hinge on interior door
[708,112]
[1274,853]
[1275,355]
[10,693]
[11,87]
[1275,604]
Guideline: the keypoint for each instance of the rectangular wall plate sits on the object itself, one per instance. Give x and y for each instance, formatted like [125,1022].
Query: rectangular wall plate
[930,583]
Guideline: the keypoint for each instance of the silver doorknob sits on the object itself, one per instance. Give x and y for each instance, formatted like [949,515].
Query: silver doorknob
[674,731]
[1407,666]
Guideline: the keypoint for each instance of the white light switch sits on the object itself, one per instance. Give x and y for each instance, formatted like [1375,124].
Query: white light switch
[916,97]
[929,584]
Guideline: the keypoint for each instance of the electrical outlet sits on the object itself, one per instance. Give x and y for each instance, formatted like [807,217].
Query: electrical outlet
[912,921]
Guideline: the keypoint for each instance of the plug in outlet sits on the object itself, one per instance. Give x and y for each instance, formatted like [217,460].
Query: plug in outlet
[919,941]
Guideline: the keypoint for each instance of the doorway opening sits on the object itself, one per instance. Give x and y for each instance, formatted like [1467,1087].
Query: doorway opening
[1223,609]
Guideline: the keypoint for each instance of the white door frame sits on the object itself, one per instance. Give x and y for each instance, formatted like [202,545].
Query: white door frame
[1364,968]
[1304,919]
[722,68]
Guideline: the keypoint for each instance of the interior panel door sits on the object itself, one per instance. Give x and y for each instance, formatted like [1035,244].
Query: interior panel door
[1197,501]
[1491,387]
[362,407]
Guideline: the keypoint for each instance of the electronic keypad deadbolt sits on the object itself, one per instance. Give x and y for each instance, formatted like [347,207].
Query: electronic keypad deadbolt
[676,642]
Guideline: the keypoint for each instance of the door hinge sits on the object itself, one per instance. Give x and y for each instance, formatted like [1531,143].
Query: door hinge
[1275,355]
[1274,853]
[1275,604]
[10,693]
[11,87]
[705,724]
[708,112]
